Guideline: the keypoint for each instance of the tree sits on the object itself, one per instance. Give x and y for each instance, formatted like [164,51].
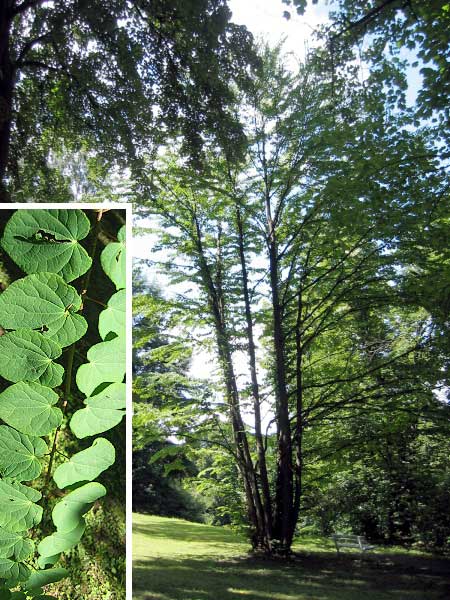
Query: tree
[302,239]
[116,79]
[396,25]
[162,397]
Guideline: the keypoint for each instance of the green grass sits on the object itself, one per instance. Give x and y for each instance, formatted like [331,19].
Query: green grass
[179,560]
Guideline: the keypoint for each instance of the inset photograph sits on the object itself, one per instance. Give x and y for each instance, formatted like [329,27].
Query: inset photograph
[62,402]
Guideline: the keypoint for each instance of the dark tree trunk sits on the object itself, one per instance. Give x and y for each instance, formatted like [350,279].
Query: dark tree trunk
[245,463]
[265,489]
[284,525]
[298,434]
[7,75]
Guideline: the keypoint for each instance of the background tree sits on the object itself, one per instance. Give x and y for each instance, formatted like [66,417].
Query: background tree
[163,396]
[115,80]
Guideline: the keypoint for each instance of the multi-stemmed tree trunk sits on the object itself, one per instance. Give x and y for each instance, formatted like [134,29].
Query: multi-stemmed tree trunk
[301,206]
[217,303]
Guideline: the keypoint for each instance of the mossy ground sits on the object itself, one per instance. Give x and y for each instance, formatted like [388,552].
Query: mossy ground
[179,560]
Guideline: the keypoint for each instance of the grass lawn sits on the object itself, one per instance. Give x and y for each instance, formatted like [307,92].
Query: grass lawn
[178,560]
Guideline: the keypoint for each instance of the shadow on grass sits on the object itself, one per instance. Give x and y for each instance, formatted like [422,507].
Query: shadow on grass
[306,577]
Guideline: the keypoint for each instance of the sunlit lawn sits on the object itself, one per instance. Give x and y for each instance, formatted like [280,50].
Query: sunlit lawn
[179,560]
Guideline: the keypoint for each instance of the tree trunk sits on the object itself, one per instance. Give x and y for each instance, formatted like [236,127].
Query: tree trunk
[298,434]
[245,463]
[265,489]
[7,74]
[284,515]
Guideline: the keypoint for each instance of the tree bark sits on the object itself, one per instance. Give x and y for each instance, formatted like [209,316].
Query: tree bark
[245,463]
[7,76]
[265,488]
[298,434]
[284,515]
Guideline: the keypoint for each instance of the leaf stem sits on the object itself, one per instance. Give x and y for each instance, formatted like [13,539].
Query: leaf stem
[96,301]
[67,384]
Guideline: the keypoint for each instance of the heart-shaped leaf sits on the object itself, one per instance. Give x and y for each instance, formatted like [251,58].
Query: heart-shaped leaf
[19,454]
[106,364]
[38,579]
[61,541]
[14,571]
[112,319]
[28,355]
[47,240]
[44,302]
[14,544]
[113,260]
[68,512]
[29,408]
[18,510]
[86,465]
[102,412]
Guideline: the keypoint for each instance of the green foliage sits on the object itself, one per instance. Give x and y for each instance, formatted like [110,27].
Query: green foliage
[39,314]
[113,260]
[19,510]
[85,465]
[29,408]
[29,355]
[20,454]
[103,411]
[112,320]
[91,93]
[394,30]
[39,241]
[326,252]
[45,302]
[106,363]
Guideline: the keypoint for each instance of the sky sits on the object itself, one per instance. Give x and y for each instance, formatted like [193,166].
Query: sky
[264,18]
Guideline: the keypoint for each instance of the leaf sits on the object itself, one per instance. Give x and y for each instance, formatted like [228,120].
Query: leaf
[59,541]
[43,561]
[19,454]
[68,512]
[47,240]
[38,579]
[16,571]
[106,364]
[14,544]
[102,412]
[86,465]
[29,408]
[18,510]
[112,319]
[43,302]
[6,594]
[18,596]
[28,355]
[113,260]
